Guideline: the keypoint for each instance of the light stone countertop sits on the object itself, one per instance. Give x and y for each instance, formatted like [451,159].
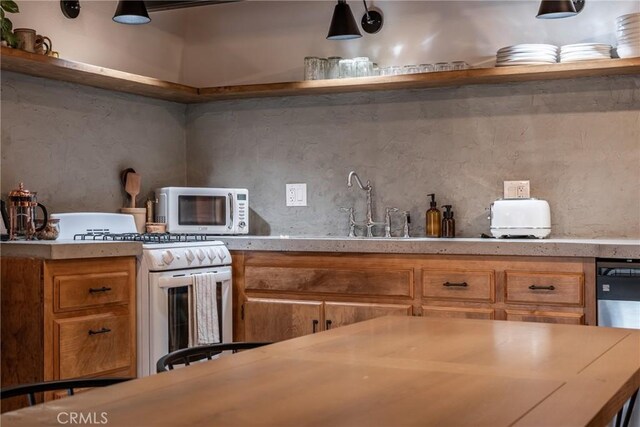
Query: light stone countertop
[596,248]
[68,249]
[590,248]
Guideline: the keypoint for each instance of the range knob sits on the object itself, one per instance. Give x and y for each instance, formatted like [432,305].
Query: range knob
[200,255]
[167,257]
[211,254]
[189,255]
[242,224]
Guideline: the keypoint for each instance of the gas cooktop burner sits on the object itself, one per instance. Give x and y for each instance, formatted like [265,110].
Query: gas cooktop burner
[147,237]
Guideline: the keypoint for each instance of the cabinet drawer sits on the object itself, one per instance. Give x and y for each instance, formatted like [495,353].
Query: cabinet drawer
[545,317]
[458,312]
[91,345]
[544,288]
[72,292]
[459,285]
[361,282]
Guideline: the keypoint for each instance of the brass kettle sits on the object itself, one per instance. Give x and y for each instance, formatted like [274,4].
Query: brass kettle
[22,205]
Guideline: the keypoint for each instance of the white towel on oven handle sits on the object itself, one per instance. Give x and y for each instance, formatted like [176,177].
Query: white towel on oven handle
[203,310]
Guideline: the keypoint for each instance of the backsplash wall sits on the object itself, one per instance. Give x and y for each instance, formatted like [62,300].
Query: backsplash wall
[577,141]
[70,142]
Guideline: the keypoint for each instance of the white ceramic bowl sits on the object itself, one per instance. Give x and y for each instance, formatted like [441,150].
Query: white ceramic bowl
[628,17]
[529,48]
[628,52]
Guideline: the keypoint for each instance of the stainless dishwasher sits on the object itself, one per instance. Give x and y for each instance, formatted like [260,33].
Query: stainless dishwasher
[618,293]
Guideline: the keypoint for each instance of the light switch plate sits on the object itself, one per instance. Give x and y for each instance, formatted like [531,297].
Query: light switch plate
[516,190]
[296,194]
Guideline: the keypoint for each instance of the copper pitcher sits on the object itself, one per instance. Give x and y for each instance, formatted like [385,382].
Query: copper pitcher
[22,214]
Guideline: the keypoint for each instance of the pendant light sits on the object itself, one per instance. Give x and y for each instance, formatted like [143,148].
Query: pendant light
[131,12]
[343,25]
[554,9]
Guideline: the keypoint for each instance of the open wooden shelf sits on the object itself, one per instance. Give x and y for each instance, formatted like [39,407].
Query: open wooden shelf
[91,75]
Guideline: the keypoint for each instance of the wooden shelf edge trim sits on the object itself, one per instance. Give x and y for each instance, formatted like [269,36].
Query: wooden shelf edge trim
[120,81]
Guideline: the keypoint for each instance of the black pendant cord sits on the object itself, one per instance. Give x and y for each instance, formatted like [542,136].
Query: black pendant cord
[366,9]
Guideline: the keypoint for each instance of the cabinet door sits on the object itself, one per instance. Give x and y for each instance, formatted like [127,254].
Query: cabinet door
[277,320]
[344,313]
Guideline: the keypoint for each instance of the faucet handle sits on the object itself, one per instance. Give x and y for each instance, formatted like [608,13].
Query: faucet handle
[387,221]
[352,221]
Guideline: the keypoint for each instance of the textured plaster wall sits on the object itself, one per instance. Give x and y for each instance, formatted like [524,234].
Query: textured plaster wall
[69,143]
[578,142]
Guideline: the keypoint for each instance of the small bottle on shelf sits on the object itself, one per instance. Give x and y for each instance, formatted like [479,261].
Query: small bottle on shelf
[433,225]
[448,223]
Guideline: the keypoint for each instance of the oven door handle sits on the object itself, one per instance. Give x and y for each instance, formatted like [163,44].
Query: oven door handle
[230,226]
[178,282]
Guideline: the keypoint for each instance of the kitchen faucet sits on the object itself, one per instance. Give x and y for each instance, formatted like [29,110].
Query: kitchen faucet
[370,223]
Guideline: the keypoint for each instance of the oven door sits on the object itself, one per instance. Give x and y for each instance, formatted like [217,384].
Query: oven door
[169,310]
[200,210]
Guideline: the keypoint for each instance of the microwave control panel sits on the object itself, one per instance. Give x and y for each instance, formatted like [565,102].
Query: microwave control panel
[242,200]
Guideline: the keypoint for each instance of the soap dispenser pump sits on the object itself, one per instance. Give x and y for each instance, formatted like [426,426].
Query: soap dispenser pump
[448,223]
[433,226]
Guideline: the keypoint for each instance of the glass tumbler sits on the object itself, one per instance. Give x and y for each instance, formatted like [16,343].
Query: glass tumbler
[459,65]
[311,68]
[363,67]
[426,68]
[333,67]
[395,70]
[410,69]
[323,68]
[442,66]
[346,68]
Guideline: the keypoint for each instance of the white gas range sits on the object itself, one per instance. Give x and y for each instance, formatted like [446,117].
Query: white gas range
[165,271]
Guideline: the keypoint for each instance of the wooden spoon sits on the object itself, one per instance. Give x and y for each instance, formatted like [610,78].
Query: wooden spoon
[132,186]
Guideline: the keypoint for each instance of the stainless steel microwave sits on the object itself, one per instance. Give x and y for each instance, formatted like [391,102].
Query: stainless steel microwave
[203,210]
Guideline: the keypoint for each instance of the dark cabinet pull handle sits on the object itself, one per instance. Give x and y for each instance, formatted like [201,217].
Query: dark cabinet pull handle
[328,324]
[459,285]
[102,289]
[315,325]
[547,288]
[101,331]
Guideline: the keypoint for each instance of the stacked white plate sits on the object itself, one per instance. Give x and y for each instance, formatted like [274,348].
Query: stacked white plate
[584,52]
[628,33]
[527,54]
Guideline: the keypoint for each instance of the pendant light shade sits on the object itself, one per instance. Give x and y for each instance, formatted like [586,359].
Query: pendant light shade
[554,9]
[343,25]
[131,12]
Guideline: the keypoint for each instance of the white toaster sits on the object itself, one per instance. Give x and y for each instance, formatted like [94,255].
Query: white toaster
[520,218]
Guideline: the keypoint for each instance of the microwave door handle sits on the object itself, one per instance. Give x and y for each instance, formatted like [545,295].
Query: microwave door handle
[230,226]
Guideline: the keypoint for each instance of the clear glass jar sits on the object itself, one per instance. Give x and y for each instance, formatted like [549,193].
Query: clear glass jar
[51,231]
[333,67]
[347,68]
[426,68]
[442,66]
[396,70]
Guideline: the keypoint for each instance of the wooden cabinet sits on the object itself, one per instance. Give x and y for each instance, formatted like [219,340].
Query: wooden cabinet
[67,319]
[284,295]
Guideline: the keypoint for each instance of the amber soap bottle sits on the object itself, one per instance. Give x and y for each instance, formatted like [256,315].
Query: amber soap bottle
[434,220]
[448,223]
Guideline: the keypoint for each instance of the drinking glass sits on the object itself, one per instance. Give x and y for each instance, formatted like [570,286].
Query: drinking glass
[363,67]
[410,69]
[346,68]
[323,67]
[425,68]
[395,70]
[333,67]
[459,65]
[442,66]
[385,71]
[313,68]
[375,70]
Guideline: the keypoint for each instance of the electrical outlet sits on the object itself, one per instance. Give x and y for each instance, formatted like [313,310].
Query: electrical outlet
[296,194]
[516,190]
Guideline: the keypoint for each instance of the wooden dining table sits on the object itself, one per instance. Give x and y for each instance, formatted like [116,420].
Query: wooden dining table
[390,371]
